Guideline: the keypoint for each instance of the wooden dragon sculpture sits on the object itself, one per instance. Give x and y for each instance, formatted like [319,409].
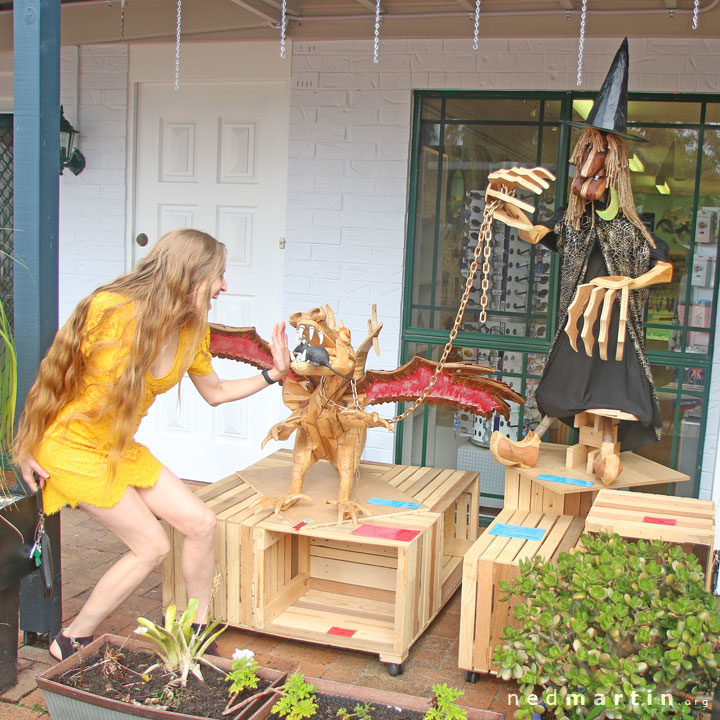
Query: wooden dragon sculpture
[329,388]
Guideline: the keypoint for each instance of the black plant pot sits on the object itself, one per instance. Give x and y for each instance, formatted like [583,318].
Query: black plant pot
[15,564]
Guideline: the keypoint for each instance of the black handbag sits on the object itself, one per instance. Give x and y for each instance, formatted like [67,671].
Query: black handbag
[41,551]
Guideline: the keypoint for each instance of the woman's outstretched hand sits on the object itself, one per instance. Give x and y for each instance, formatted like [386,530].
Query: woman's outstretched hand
[280,352]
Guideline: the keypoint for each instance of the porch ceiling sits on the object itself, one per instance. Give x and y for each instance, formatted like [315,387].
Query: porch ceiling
[98,21]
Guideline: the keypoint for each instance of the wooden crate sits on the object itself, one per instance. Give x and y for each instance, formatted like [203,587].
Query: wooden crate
[526,491]
[492,559]
[685,521]
[372,594]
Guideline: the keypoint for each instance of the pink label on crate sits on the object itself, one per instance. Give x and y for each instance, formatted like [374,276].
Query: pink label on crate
[659,521]
[344,632]
[386,533]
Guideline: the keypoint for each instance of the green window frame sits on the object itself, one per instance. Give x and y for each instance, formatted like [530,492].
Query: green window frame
[684,129]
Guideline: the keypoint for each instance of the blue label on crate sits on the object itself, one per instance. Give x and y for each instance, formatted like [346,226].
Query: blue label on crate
[517,531]
[394,503]
[566,480]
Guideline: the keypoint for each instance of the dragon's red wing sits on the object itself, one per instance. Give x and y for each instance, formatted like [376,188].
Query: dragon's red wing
[460,385]
[240,343]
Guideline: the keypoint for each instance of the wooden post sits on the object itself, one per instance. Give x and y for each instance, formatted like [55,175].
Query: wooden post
[36,176]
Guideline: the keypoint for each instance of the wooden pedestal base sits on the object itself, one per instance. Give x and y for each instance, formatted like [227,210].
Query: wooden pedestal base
[373,588]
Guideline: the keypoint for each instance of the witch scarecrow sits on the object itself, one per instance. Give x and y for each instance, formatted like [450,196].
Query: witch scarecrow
[608,260]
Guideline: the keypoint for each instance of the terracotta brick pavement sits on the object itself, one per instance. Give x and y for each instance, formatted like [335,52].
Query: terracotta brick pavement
[87,548]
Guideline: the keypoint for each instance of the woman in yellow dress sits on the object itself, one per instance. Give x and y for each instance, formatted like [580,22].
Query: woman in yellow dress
[129,341]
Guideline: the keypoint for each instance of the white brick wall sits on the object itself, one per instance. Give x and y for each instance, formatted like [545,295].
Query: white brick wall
[351,119]
[92,205]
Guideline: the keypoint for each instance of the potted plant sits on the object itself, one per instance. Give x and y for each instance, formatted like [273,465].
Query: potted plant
[18,513]
[168,674]
[618,627]
[303,698]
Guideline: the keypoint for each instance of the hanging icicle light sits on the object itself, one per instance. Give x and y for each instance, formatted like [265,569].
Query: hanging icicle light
[696,6]
[177,45]
[477,24]
[283,28]
[581,44]
[376,42]
[122,20]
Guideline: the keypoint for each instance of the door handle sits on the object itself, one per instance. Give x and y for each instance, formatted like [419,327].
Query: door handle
[142,239]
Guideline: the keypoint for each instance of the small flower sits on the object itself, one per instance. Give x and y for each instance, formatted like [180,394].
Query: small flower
[243,654]
[140,630]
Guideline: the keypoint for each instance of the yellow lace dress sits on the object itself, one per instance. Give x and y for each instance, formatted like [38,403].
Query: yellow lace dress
[74,451]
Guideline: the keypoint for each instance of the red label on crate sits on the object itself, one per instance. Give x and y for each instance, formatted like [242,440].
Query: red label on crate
[386,533]
[344,632]
[660,521]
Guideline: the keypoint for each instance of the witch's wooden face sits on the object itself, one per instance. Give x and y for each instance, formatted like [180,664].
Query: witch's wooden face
[590,180]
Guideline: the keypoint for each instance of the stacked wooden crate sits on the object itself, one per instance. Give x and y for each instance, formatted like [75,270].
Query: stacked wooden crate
[684,521]
[374,588]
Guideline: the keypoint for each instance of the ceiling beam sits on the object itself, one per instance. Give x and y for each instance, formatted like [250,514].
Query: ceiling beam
[369,4]
[671,4]
[566,4]
[292,6]
[465,4]
[256,7]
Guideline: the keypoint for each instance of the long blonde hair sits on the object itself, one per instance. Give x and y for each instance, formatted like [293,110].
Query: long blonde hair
[165,289]
[618,177]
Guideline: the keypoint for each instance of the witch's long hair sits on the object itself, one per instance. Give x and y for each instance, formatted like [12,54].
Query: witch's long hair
[167,288]
[618,177]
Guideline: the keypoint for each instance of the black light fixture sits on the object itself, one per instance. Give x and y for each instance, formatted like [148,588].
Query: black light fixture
[70,158]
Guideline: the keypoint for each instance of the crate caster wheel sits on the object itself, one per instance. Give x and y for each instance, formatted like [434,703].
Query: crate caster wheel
[471,677]
[395,669]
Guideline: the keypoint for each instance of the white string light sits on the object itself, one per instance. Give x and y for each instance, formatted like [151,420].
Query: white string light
[376,42]
[283,27]
[122,20]
[177,45]
[581,44]
[696,6]
[477,24]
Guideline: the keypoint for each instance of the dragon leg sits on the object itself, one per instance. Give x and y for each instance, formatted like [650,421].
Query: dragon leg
[349,447]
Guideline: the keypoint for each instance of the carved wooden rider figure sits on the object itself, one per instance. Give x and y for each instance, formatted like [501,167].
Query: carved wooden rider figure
[608,259]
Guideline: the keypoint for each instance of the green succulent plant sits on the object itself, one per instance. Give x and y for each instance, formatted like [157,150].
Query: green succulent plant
[179,646]
[622,627]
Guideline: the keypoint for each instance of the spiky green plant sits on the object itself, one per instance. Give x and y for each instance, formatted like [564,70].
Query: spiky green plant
[8,392]
[179,646]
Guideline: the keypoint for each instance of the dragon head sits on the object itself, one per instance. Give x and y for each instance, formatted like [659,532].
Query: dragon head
[321,347]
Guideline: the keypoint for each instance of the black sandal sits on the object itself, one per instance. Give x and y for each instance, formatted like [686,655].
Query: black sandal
[69,646]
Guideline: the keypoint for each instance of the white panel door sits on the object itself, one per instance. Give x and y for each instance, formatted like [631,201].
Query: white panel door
[213,156]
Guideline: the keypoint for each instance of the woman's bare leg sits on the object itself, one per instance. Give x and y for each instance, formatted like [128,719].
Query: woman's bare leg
[134,521]
[171,500]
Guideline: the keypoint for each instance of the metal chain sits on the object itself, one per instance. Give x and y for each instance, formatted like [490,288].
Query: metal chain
[484,247]
[581,45]
[122,20]
[283,27]
[376,42]
[177,45]
[696,6]
[477,24]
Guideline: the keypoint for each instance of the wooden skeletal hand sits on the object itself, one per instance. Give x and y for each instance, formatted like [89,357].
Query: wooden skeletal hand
[502,185]
[598,297]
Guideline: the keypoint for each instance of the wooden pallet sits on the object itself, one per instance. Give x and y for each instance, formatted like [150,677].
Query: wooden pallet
[684,521]
[492,559]
[327,585]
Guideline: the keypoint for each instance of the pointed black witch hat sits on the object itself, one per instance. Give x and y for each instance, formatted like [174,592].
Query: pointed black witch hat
[609,111]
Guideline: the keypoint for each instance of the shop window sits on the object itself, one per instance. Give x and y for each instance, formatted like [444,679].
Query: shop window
[459,138]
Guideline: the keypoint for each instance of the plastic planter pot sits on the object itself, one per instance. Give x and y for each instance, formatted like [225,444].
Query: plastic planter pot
[67,703]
